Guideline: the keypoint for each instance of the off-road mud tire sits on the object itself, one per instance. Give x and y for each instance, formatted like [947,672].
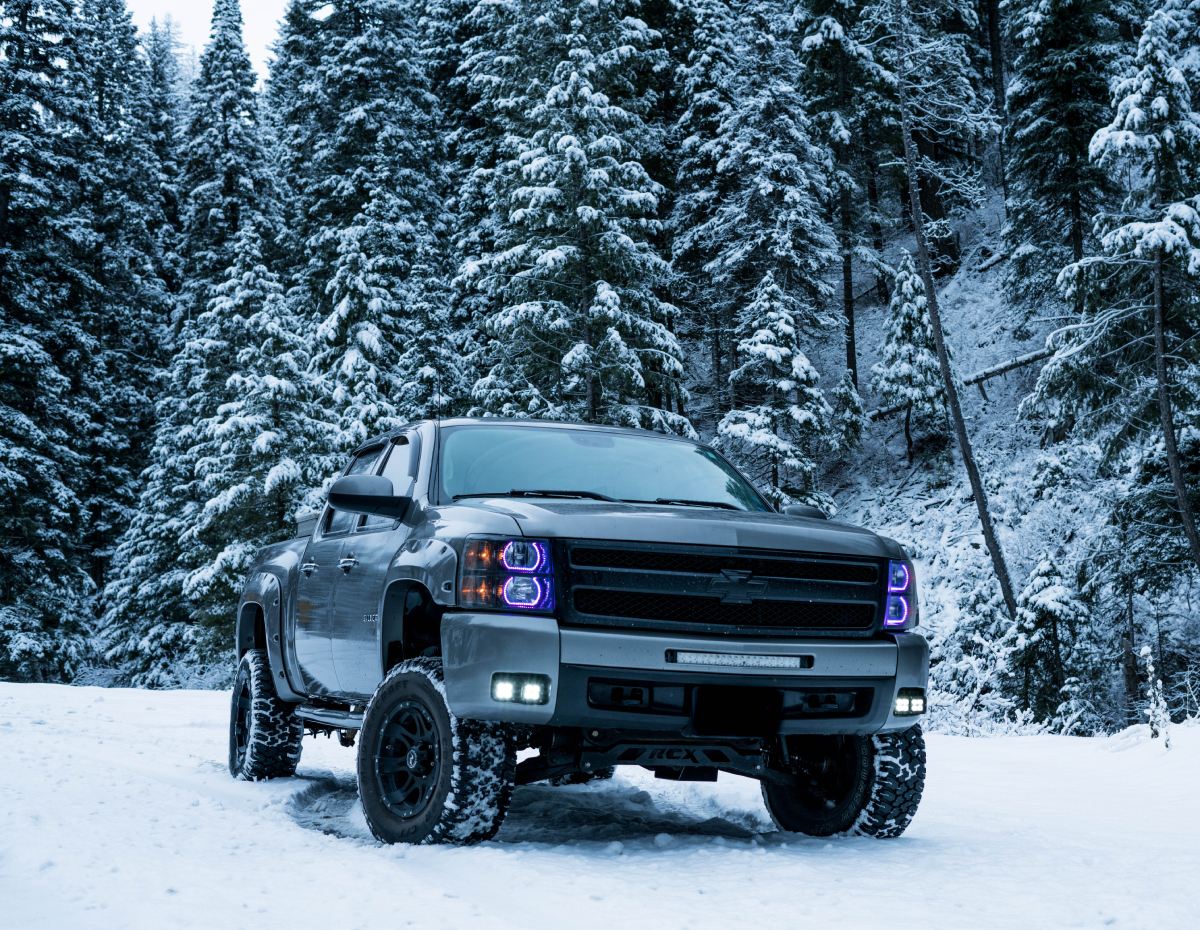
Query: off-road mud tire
[265,735]
[882,779]
[469,766]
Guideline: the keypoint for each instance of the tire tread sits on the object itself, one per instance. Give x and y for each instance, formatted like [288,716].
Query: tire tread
[276,733]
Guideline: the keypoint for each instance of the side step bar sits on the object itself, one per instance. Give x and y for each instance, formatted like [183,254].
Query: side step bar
[331,717]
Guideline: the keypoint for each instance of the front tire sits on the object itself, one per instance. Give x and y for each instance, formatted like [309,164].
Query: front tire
[424,776]
[265,734]
[857,785]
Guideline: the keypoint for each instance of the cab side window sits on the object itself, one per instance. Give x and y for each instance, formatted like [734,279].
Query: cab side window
[400,468]
[342,521]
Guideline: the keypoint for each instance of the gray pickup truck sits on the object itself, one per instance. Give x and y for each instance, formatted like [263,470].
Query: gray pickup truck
[589,597]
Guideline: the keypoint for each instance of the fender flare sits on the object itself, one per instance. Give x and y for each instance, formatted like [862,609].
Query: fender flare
[262,597]
[431,564]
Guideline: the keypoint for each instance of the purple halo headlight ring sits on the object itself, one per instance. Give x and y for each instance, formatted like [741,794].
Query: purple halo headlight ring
[899,577]
[897,612]
[520,555]
[526,592]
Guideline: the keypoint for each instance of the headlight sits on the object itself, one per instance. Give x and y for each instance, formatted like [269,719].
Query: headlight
[900,611]
[507,574]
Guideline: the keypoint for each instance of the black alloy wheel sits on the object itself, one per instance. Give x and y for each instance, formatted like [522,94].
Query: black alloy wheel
[408,760]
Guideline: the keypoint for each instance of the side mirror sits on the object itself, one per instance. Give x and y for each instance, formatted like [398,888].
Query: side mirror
[805,510]
[371,494]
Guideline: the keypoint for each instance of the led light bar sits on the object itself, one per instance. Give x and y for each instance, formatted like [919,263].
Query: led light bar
[738,660]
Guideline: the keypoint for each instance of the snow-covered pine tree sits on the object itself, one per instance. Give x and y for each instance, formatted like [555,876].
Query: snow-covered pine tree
[44,609]
[849,417]
[358,346]
[575,325]
[908,371]
[707,87]
[292,89]
[1059,660]
[769,245]
[228,186]
[850,110]
[1112,371]
[127,309]
[1059,95]
[166,104]
[226,176]
[782,419]
[371,212]
[1157,714]
[260,452]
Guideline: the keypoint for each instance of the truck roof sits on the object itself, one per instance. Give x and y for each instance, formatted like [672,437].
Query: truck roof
[512,421]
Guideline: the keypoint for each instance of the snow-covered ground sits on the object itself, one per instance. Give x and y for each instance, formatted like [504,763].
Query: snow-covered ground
[116,812]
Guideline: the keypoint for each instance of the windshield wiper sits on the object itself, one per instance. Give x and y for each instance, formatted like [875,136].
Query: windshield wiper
[533,492]
[685,502]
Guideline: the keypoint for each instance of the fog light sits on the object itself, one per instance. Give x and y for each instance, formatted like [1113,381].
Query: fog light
[910,702]
[520,689]
[503,689]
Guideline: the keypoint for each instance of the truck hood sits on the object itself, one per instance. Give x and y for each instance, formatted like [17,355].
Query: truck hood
[572,519]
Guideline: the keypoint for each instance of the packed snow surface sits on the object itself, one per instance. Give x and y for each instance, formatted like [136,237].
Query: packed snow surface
[116,811]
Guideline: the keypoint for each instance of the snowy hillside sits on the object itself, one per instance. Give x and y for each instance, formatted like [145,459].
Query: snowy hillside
[118,813]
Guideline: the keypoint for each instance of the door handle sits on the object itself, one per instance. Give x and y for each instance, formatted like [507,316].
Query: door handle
[347,563]
[308,568]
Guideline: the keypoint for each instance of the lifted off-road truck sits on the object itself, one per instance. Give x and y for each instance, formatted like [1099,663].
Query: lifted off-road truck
[600,596]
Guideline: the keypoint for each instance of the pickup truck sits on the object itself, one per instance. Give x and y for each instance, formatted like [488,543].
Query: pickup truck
[588,597]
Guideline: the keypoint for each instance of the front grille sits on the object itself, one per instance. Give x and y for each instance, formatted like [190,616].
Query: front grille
[683,608]
[707,564]
[722,591]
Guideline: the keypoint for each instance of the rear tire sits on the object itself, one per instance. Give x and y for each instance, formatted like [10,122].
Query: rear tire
[857,785]
[424,776]
[265,735]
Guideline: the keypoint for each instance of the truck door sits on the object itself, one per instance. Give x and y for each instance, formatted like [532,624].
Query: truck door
[317,584]
[366,554]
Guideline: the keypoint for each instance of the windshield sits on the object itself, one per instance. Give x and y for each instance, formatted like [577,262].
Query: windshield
[483,460]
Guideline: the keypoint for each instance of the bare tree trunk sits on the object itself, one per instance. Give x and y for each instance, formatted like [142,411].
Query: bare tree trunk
[999,90]
[1167,414]
[881,281]
[846,229]
[844,211]
[714,337]
[999,564]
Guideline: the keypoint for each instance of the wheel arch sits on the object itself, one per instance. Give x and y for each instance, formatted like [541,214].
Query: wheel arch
[419,586]
[410,622]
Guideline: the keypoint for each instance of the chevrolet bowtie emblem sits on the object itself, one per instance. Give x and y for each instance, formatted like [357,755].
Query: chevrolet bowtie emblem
[736,587]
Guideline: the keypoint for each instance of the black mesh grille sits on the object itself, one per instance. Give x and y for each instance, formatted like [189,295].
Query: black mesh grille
[700,563]
[682,608]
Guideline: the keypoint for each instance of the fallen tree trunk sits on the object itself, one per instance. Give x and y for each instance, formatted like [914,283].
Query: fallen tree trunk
[978,377]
